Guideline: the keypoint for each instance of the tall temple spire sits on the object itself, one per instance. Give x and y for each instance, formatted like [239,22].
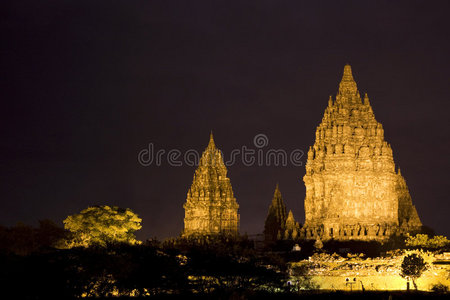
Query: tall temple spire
[352,189]
[211,208]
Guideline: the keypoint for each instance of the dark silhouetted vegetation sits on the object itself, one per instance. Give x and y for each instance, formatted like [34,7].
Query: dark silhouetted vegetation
[412,267]
[24,239]
[182,266]
[35,266]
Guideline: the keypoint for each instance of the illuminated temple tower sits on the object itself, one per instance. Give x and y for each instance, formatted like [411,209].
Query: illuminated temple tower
[210,207]
[352,188]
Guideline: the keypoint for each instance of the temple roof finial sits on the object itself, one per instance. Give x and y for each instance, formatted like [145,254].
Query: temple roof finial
[347,84]
[347,72]
[277,192]
[211,141]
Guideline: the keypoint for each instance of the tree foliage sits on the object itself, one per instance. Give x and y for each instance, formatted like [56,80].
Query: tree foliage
[413,265]
[102,225]
[424,241]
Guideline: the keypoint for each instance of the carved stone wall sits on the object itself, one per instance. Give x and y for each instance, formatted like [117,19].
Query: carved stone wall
[352,188]
[210,207]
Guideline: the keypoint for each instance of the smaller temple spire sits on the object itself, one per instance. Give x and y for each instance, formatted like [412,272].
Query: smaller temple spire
[276,217]
[292,227]
[290,219]
[278,204]
[366,99]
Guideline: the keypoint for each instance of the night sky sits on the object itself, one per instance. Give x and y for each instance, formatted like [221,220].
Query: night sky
[86,85]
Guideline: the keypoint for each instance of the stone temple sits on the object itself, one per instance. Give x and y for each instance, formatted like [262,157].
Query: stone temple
[276,217]
[353,190]
[210,207]
[278,224]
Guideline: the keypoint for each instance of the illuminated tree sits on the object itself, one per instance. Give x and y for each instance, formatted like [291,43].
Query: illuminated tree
[419,240]
[423,241]
[412,268]
[102,225]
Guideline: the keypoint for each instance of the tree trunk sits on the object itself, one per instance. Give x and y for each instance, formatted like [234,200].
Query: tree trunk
[415,285]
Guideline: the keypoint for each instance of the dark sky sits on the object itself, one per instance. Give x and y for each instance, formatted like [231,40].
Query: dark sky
[85,85]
